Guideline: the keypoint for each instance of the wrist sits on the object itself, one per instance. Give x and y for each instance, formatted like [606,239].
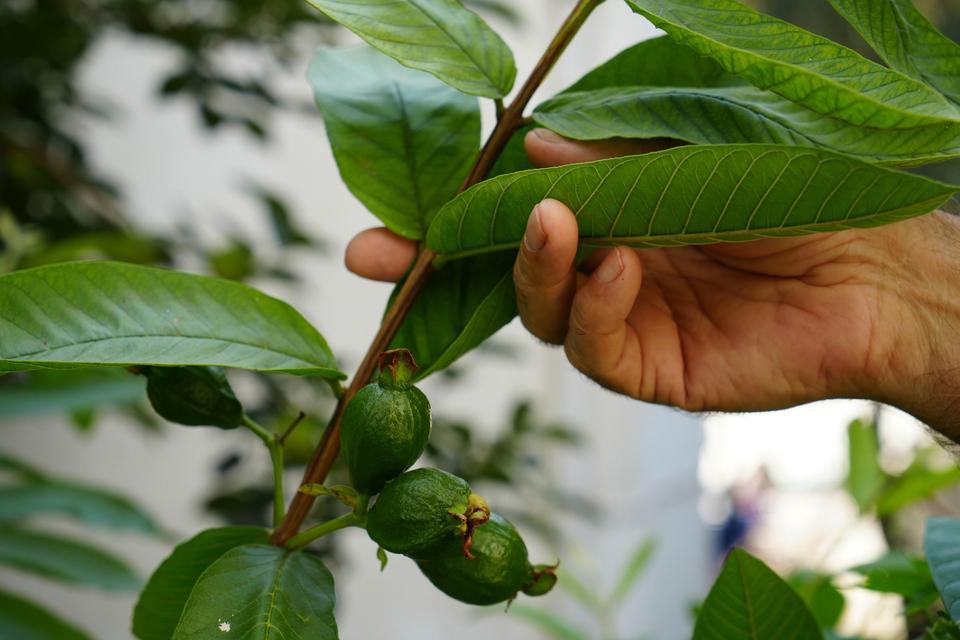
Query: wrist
[922,372]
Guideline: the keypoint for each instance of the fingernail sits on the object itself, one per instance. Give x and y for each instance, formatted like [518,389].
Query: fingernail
[549,136]
[610,269]
[534,238]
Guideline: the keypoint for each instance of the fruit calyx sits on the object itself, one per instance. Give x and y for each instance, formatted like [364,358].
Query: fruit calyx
[476,513]
[544,579]
[397,367]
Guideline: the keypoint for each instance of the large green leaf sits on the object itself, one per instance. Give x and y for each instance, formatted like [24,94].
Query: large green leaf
[261,592]
[733,114]
[800,66]
[22,619]
[437,36]
[108,313]
[750,601]
[64,560]
[403,140]
[689,195]
[89,505]
[657,62]
[940,543]
[864,475]
[906,41]
[162,600]
[462,304]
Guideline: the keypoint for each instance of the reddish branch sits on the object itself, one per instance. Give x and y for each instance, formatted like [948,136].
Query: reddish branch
[508,123]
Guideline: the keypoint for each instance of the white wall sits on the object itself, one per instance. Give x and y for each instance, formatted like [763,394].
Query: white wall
[639,461]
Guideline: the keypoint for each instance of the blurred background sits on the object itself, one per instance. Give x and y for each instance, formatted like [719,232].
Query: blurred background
[182,133]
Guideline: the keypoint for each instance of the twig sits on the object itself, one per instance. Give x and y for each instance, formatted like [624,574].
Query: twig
[510,121]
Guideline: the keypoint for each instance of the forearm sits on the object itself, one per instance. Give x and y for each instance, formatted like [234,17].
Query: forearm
[924,379]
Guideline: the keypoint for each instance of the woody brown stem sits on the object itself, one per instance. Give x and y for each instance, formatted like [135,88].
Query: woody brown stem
[507,125]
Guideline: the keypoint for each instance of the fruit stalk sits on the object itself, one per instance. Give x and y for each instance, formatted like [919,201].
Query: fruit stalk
[510,120]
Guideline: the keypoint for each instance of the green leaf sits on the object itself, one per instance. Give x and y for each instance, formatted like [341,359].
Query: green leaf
[906,41]
[92,506]
[21,618]
[915,484]
[46,392]
[805,68]
[634,568]
[735,114]
[657,62]
[437,36]
[463,303]
[548,623]
[107,313]
[64,560]
[865,477]
[750,601]
[261,592]
[403,141]
[689,195]
[193,396]
[824,600]
[162,600]
[943,554]
[898,573]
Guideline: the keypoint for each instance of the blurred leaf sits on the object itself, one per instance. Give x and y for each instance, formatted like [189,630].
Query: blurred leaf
[102,245]
[897,573]
[403,141]
[634,568]
[284,229]
[917,483]
[253,583]
[943,628]
[548,623]
[440,37]
[940,543]
[246,506]
[162,600]
[21,468]
[92,506]
[824,600]
[234,262]
[46,392]
[108,313]
[24,620]
[865,477]
[64,560]
[193,396]
[750,601]
[83,419]
[583,594]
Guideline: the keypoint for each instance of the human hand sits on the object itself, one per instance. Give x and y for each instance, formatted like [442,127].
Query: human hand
[751,326]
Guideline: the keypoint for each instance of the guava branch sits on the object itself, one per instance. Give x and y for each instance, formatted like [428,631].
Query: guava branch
[509,121]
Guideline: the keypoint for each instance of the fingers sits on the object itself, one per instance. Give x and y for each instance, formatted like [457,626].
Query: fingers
[544,274]
[379,254]
[600,342]
[547,149]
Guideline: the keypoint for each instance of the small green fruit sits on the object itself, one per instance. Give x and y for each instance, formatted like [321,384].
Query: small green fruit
[544,580]
[422,509]
[498,571]
[386,425]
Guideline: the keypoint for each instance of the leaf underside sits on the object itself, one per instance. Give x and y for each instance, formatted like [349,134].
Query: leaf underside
[261,592]
[689,195]
[440,37]
[907,41]
[800,66]
[736,114]
[107,313]
[402,139]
